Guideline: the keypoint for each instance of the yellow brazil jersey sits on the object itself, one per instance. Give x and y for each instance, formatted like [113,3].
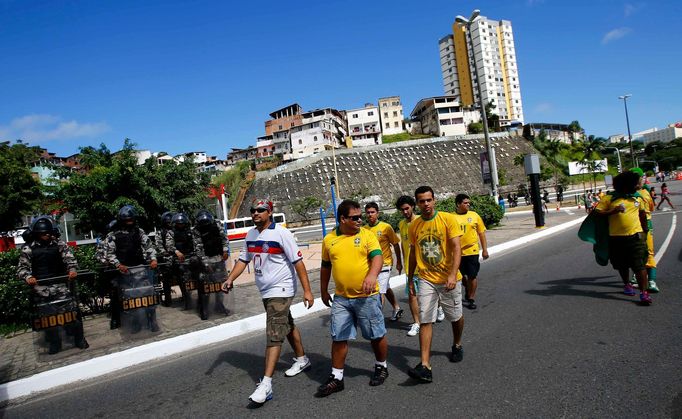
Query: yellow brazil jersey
[349,256]
[431,241]
[471,225]
[623,223]
[404,228]
[648,202]
[387,238]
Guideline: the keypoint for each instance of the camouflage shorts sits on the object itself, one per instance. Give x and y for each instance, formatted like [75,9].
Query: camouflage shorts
[279,321]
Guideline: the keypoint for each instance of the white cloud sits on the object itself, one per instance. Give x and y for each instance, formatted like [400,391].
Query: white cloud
[631,9]
[615,34]
[543,107]
[44,127]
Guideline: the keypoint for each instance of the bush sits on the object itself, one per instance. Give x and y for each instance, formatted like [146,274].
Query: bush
[15,304]
[485,206]
[489,210]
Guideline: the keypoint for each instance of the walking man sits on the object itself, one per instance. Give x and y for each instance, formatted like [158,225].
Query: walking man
[353,256]
[435,252]
[277,261]
[387,239]
[627,228]
[473,232]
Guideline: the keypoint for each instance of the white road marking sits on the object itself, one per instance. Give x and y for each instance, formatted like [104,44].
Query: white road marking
[667,240]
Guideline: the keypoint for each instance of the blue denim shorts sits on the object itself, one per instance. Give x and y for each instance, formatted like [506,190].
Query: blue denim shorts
[350,313]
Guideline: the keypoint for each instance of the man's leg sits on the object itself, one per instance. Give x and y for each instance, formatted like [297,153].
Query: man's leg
[425,336]
[471,286]
[457,329]
[271,357]
[294,338]
[380,348]
[390,296]
[414,307]
[339,352]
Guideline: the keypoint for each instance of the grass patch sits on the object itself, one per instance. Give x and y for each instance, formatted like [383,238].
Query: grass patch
[403,136]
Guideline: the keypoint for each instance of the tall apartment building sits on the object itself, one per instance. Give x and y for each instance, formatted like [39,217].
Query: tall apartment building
[364,126]
[391,113]
[490,45]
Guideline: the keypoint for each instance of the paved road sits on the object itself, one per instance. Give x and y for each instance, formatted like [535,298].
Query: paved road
[553,337]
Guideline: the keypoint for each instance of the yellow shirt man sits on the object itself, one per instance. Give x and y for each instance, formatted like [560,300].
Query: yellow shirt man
[404,230]
[623,223]
[471,225]
[349,256]
[387,237]
[430,239]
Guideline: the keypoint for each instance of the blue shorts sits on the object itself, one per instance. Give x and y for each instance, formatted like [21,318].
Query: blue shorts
[350,313]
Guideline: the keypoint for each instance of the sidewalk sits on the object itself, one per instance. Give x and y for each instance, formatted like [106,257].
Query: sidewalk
[18,359]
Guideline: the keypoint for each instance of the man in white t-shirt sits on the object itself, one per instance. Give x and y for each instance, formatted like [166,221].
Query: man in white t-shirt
[277,261]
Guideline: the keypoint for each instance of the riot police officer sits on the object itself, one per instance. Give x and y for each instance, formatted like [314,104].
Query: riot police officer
[128,245]
[184,244]
[46,257]
[109,277]
[213,239]
[164,255]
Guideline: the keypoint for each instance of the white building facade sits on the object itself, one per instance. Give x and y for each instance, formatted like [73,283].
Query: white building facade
[320,129]
[664,135]
[491,43]
[364,126]
[391,115]
[443,116]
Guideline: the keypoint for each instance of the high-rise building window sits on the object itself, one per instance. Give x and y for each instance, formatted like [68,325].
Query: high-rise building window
[395,113]
[385,114]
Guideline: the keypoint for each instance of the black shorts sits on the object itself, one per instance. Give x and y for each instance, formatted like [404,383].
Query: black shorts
[469,266]
[628,252]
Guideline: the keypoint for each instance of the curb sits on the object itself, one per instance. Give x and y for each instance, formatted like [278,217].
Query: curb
[106,364]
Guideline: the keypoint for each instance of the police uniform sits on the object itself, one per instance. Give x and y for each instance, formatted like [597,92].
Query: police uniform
[188,242]
[129,247]
[49,259]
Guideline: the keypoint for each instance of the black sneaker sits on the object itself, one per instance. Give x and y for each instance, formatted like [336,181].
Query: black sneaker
[421,373]
[380,375]
[331,386]
[457,354]
[471,304]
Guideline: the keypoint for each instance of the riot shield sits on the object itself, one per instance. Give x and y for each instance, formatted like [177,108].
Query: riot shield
[211,299]
[138,300]
[57,321]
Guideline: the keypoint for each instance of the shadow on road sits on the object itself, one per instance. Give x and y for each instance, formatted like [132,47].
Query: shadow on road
[571,287]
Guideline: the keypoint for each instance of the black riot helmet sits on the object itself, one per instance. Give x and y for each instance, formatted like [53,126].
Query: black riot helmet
[204,219]
[42,225]
[180,221]
[126,213]
[166,219]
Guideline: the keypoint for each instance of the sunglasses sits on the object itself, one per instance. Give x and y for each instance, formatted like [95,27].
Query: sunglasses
[258,210]
[355,217]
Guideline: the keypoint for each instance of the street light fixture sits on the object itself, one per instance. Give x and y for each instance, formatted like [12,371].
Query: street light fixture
[627,121]
[492,163]
[620,166]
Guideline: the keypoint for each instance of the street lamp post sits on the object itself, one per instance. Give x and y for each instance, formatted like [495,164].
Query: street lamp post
[627,121]
[492,163]
[620,165]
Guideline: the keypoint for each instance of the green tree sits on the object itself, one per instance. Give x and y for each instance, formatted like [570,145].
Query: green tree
[94,197]
[19,192]
[232,179]
[306,207]
[475,128]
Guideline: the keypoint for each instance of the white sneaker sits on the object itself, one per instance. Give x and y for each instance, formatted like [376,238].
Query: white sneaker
[298,367]
[262,394]
[414,330]
[441,314]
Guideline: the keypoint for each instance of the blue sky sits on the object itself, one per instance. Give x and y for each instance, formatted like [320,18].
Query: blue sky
[182,76]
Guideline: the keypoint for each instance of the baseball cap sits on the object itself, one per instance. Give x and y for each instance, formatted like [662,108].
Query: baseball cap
[262,203]
[637,170]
